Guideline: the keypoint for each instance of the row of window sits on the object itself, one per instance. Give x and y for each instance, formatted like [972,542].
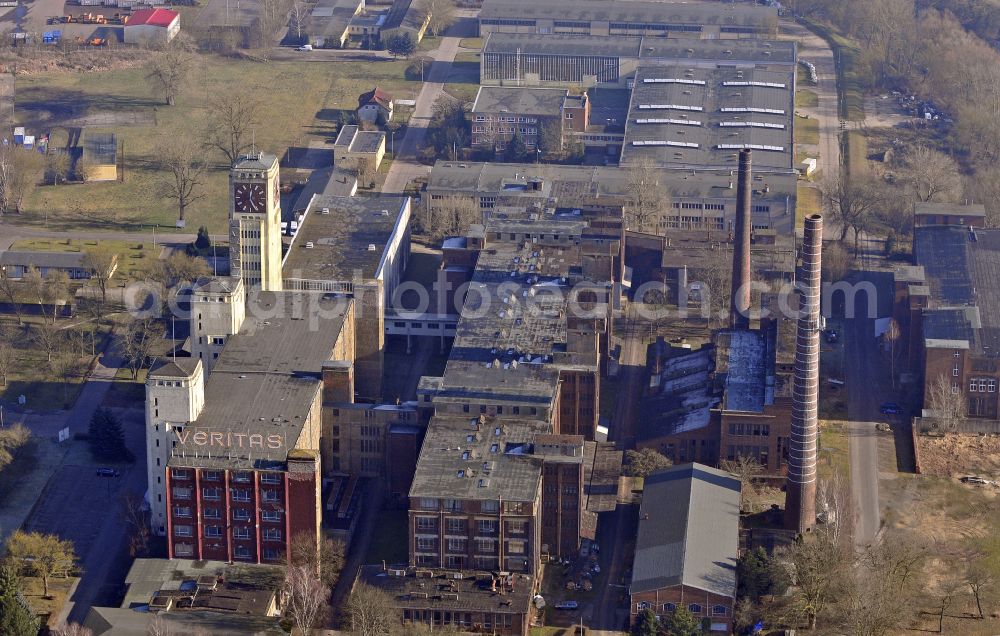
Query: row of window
[684,205]
[982,385]
[239,514]
[212,493]
[761,430]
[461,545]
[483,526]
[239,532]
[507,119]
[217,475]
[695,608]
[239,552]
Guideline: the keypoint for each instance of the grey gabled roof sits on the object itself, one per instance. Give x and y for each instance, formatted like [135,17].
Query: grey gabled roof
[688,531]
[58,260]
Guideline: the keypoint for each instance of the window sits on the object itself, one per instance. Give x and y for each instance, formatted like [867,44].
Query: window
[272,534]
[490,506]
[241,494]
[457,545]
[213,513]
[213,532]
[425,523]
[425,544]
[181,493]
[183,550]
[241,532]
[271,554]
[180,473]
[182,531]
[515,547]
[486,546]
[452,504]
[486,527]
[241,514]
[271,515]
[991,386]
[569,115]
[719,610]
[270,478]
[211,475]
[271,496]
[456,526]
[241,476]
[182,511]
[517,526]
[241,552]
[694,608]
[669,607]
[642,605]
[211,494]
[428,504]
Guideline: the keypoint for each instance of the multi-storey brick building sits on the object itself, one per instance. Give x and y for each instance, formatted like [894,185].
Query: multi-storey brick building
[235,459]
[688,544]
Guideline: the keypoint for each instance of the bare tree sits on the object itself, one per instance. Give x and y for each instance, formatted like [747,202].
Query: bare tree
[748,470]
[8,358]
[233,115]
[177,268]
[300,16]
[47,337]
[327,558]
[137,523]
[20,171]
[645,461]
[170,70]
[102,262]
[980,579]
[72,629]
[57,166]
[182,158]
[884,586]
[647,197]
[137,344]
[47,290]
[946,403]
[306,597]
[366,171]
[817,568]
[852,203]
[836,262]
[12,290]
[833,501]
[931,175]
[158,627]
[442,14]
[370,611]
[449,217]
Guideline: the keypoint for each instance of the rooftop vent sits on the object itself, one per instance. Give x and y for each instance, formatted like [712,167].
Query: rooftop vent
[371,247]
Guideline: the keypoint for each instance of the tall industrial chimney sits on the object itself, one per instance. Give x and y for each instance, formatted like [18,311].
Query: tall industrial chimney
[739,307]
[800,496]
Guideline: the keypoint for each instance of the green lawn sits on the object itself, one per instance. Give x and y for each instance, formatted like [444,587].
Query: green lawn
[385,545]
[806,99]
[857,152]
[807,202]
[462,92]
[806,131]
[834,455]
[471,43]
[300,103]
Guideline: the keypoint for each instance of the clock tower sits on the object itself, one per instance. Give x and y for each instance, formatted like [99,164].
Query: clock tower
[255,222]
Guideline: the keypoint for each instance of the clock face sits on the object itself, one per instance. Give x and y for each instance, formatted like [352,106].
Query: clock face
[249,197]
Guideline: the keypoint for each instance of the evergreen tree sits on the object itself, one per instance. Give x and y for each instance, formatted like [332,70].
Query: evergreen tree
[516,149]
[681,622]
[401,45]
[106,438]
[204,241]
[753,572]
[16,616]
[646,624]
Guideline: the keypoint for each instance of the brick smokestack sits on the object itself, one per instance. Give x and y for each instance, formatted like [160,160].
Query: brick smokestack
[739,306]
[800,497]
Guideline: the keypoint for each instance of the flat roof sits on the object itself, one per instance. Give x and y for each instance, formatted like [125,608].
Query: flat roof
[971,210]
[688,531]
[689,116]
[150,577]
[479,458]
[347,241]
[450,591]
[743,364]
[357,140]
[649,50]
[519,100]
[266,380]
[681,13]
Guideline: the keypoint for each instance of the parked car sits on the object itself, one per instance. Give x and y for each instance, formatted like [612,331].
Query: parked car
[567,605]
[969,479]
[107,472]
[890,408]
[831,336]
[305,47]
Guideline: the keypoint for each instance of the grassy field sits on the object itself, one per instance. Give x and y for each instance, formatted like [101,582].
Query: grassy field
[471,43]
[300,103]
[807,202]
[462,92]
[857,152]
[47,608]
[806,99]
[834,456]
[806,131]
[849,81]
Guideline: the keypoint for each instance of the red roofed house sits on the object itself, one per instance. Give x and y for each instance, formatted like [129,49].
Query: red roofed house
[152,25]
[375,106]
